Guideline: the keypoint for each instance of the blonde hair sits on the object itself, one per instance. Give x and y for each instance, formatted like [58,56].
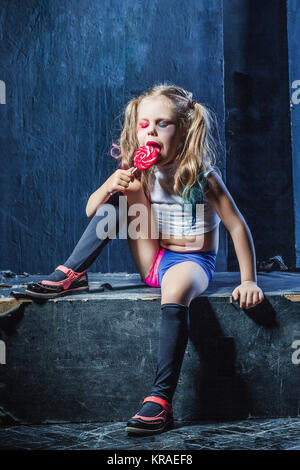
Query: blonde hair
[198,153]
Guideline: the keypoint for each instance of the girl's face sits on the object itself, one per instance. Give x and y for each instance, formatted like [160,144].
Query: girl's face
[157,123]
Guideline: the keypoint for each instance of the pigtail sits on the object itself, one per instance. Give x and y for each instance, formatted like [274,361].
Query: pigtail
[197,156]
[129,143]
[128,139]
[196,159]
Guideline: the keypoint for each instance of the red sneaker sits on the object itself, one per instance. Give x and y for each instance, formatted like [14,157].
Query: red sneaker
[154,424]
[75,282]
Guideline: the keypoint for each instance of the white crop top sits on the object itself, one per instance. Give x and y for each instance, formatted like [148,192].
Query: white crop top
[170,214]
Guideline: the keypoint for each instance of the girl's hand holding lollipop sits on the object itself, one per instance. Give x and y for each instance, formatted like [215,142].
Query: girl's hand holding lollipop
[143,158]
[119,180]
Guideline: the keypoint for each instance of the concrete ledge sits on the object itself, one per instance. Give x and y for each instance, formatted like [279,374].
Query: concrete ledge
[92,357]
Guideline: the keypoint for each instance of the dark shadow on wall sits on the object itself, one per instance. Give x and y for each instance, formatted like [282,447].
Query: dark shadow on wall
[220,391]
[258,141]
[220,394]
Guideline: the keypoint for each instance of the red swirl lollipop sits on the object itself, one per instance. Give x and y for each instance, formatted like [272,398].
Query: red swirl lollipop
[145,157]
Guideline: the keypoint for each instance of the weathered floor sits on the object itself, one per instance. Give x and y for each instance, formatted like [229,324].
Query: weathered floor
[250,434]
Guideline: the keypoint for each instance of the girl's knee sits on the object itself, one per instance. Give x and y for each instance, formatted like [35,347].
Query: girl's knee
[175,294]
[180,286]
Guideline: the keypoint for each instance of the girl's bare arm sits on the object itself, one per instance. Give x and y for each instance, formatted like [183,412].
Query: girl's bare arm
[100,196]
[118,181]
[223,203]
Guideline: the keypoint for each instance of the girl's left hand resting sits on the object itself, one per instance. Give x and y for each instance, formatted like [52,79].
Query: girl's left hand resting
[250,294]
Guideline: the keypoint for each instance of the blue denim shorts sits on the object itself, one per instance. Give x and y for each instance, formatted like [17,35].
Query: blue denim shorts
[205,259]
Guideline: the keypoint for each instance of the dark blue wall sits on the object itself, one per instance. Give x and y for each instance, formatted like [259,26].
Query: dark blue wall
[293,21]
[70,67]
[259,161]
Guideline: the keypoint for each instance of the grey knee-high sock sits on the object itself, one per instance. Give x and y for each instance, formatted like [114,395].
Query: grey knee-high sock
[173,339]
[90,245]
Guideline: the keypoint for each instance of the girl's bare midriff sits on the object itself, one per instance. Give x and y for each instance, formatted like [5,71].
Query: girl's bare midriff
[208,241]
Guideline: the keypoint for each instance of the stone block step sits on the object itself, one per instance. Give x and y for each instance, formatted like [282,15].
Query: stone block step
[92,357]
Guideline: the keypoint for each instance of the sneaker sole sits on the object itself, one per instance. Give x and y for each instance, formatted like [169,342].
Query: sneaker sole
[58,294]
[133,430]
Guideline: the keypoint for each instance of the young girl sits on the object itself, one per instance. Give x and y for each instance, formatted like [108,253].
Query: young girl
[181,260]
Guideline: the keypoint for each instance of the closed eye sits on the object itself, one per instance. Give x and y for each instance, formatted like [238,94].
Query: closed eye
[162,123]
